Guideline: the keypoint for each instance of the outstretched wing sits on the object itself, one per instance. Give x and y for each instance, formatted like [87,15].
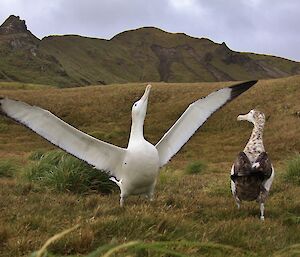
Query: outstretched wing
[101,155]
[193,117]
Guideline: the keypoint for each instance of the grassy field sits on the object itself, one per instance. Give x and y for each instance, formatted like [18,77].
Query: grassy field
[193,214]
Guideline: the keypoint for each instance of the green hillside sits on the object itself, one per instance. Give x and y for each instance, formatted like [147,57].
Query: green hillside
[141,55]
[21,60]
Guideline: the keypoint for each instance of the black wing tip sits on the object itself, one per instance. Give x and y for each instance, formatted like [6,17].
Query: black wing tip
[241,87]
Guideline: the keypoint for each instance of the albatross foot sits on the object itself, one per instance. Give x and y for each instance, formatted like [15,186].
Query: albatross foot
[151,197]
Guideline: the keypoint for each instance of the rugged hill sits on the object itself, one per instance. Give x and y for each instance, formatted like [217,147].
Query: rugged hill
[145,54]
[21,59]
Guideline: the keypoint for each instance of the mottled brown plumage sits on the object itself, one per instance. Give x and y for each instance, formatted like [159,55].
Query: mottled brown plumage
[249,180]
[252,172]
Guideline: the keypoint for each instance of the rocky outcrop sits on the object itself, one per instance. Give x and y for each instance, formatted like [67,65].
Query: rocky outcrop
[13,25]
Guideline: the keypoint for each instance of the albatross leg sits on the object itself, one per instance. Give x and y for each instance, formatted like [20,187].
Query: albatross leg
[151,196]
[119,183]
[262,209]
[238,202]
[151,193]
[233,190]
[122,198]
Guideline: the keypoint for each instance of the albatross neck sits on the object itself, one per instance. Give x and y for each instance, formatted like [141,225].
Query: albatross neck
[255,142]
[137,131]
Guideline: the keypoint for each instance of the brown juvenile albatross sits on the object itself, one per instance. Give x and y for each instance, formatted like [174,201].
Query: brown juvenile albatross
[252,172]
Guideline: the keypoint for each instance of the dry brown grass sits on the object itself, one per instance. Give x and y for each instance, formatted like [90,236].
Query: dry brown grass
[105,112]
[188,207]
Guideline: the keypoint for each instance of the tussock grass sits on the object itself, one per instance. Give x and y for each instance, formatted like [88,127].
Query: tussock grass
[8,168]
[170,248]
[293,170]
[180,248]
[291,251]
[195,167]
[36,155]
[56,237]
[62,172]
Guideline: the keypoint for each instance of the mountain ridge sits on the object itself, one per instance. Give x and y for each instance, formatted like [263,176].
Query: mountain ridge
[139,55]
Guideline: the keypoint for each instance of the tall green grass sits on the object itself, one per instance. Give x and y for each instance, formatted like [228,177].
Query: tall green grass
[195,167]
[181,248]
[8,168]
[293,170]
[62,172]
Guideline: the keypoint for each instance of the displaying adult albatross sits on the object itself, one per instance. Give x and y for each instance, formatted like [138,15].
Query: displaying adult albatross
[252,172]
[135,168]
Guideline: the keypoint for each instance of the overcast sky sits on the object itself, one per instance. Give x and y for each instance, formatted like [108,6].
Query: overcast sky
[261,26]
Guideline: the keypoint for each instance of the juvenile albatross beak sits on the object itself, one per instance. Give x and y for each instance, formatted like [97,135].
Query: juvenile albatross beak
[242,117]
[146,94]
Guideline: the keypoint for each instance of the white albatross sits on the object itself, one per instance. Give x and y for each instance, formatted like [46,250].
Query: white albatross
[134,169]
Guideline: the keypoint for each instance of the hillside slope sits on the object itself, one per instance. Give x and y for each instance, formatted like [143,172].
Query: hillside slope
[21,60]
[105,112]
[141,55]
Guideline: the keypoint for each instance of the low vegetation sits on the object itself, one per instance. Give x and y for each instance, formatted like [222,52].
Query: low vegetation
[21,86]
[192,215]
[8,168]
[293,170]
[62,172]
[195,167]
[193,220]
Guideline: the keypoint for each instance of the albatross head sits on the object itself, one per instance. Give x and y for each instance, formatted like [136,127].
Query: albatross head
[254,116]
[139,108]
